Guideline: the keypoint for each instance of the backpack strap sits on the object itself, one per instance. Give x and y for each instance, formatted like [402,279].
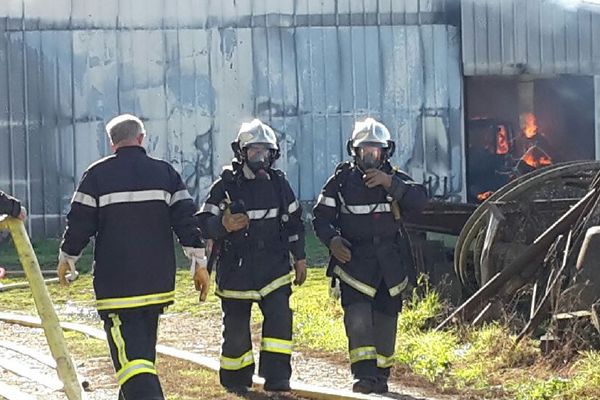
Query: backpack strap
[278,178]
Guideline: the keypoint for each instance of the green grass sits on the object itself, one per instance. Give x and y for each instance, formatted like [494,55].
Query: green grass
[46,252]
[78,293]
[82,346]
[537,389]
[483,362]
[187,300]
[585,383]
[318,323]
[317,255]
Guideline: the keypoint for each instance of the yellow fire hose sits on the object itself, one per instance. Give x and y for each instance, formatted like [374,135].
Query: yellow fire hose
[45,308]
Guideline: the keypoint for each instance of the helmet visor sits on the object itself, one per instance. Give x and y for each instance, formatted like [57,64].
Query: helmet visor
[257,152]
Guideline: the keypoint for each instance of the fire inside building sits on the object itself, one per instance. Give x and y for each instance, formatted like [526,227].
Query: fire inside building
[515,125]
[531,102]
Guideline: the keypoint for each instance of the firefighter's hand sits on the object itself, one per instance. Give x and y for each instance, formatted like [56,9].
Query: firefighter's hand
[234,222]
[376,177]
[63,270]
[300,269]
[340,248]
[202,281]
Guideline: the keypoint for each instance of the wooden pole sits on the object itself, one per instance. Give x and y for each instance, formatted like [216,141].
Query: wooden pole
[45,308]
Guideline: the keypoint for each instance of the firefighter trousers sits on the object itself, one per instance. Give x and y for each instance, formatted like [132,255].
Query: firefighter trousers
[131,337]
[371,326]
[237,360]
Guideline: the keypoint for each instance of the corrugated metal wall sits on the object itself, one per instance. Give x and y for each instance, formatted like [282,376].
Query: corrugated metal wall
[597,105]
[512,37]
[194,70]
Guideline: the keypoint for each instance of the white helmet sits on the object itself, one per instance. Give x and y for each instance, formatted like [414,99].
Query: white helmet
[370,132]
[257,132]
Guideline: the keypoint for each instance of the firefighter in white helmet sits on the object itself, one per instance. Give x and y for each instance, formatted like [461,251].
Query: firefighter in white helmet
[254,219]
[358,215]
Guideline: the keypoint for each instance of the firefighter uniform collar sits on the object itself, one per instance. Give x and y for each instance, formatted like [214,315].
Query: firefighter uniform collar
[131,150]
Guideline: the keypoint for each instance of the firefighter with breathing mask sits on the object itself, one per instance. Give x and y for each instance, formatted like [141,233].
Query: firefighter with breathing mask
[358,216]
[254,221]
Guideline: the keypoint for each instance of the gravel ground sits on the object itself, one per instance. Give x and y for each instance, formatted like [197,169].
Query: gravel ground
[98,370]
[202,336]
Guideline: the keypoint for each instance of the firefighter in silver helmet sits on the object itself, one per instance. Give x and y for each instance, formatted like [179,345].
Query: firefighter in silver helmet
[254,219]
[358,216]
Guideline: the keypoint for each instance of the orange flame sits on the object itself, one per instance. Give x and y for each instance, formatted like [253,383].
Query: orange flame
[484,195]
[502,140]
[536,158]
[529,125]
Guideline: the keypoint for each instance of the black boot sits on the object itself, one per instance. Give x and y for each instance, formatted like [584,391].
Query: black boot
[365,385]
[237,390]
[381,385]
[282,385]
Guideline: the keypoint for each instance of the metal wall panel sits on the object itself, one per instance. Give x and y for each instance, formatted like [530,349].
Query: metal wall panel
[513,37]
[597,108]
[194,70]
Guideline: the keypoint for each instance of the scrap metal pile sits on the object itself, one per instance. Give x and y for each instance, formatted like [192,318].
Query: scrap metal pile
[537,235]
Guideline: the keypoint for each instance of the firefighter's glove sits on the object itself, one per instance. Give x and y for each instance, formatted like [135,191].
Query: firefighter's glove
[300,269]
[340,249]
[234,222]
[376,177]
[66,268]
[202,281]
[197,257]
[22,214]
[335,292]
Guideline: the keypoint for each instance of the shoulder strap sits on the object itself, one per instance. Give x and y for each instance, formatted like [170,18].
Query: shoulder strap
[342,170]
[278,178]
[230,178]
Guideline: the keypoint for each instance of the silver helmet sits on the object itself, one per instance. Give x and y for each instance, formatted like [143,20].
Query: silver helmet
[262,135]
[370,133]
[256,132]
